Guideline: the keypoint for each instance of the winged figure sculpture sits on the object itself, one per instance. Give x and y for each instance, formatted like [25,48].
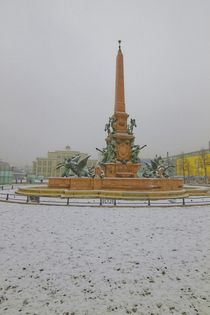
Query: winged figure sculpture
[75,166]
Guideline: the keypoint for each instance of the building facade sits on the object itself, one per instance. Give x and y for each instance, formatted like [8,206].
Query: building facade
[46,166]
[193,164]
[6,174]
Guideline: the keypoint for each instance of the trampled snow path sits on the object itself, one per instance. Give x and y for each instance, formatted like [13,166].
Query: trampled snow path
[61,260]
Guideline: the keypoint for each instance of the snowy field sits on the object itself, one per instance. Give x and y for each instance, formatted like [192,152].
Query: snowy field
[72,261]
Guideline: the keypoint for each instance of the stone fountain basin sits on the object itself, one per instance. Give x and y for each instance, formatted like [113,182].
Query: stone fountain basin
[118,188]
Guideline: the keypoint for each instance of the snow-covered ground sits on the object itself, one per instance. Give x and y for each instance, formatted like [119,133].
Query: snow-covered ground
[65,260]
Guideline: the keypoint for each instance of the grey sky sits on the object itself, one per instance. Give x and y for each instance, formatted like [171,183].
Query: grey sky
[57,73]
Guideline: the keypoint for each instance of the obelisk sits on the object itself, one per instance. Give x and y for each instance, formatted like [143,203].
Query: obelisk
[119,83]
[120,139]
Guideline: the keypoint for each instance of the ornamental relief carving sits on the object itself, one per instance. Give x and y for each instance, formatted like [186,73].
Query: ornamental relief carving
[124,151]
[121,124]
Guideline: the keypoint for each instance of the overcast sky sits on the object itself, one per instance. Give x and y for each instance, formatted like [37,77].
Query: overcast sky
[57,74]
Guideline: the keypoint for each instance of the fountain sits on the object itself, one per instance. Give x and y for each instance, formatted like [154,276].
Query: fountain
[116,175]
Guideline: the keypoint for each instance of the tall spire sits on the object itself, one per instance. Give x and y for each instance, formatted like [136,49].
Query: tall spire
[119,87]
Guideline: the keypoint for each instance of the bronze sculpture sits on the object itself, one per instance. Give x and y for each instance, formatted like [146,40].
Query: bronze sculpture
[76,166]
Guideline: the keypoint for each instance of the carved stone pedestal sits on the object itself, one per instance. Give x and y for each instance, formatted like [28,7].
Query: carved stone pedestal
[128,170]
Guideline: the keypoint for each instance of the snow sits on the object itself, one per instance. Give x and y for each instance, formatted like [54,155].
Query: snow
[66,260]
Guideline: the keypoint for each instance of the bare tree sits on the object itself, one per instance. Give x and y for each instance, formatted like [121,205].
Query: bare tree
[204,160]
[185,167]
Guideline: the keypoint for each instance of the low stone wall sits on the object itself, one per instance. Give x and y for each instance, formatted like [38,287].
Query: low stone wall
[131,184]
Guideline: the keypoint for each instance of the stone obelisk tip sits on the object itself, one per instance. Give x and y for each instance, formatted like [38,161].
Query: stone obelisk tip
[119,42]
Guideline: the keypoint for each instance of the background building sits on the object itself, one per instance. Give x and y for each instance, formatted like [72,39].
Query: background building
[194,166]
[6,173]
[46,167]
